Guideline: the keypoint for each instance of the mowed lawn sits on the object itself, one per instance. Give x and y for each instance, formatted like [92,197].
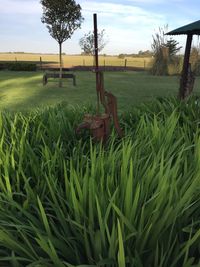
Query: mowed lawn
[21,91]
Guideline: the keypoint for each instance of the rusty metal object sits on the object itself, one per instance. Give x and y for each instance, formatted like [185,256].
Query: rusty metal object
[96,58]
[99,124]
[112,107]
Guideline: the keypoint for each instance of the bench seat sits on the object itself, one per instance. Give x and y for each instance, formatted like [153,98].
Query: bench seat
[54,75]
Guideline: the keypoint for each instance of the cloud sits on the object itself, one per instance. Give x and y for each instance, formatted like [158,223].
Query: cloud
[21,7]
[110,8]
[147,1]
[129,24]
[121,13]
[155,1]
[129,27]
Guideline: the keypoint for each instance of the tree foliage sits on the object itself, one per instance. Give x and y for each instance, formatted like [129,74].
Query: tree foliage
[87,42]
[62,18]
[173,47]
[146,53]
[195,59]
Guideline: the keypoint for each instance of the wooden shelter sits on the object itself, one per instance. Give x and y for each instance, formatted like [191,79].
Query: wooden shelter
[187,77]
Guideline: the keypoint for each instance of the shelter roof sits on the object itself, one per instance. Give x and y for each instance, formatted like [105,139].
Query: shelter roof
[192,28]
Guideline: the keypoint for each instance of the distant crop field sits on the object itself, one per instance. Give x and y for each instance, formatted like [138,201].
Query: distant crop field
[78,60]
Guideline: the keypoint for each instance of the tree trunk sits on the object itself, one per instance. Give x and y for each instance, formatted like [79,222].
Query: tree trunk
[60,56]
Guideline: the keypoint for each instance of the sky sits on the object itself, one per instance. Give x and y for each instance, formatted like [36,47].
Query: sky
[129,24]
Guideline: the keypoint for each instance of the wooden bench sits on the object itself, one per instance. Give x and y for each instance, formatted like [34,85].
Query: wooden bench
[54,75]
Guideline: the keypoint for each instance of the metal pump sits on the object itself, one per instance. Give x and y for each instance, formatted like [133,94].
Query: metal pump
[99,124]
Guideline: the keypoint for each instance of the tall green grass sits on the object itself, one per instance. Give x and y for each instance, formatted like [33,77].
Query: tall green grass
[65,201]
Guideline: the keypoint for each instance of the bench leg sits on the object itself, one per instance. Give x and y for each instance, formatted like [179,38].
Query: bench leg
[74,81]
[44,80]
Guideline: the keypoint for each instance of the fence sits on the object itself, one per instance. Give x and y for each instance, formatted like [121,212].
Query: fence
[125,63]
[83,61]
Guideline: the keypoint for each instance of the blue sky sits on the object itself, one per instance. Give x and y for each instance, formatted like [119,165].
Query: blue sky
[129,24]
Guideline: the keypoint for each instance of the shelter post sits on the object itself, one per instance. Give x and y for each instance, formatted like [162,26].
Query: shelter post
[184,75]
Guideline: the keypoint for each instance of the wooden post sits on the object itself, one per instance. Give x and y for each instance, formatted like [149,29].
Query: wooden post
[41,63]
[184,75]
[125,63]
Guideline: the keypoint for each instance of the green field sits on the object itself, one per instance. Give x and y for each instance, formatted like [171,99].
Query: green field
[24,90]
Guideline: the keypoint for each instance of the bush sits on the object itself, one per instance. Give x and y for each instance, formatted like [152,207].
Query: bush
[21,66]
[3,66]
[166,66]
[196,68]
[175,66]
[160,62]
[18,66]
[121,56]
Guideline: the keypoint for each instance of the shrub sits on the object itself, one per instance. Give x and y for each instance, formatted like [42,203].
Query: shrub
[21,66]
[160,62]
[196,68]
[3,66]
[18,66]
[164,52]
[175,66]
[121,56]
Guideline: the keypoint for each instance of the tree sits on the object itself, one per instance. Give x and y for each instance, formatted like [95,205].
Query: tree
[146,53]
[62,18]
[173,47]
[87,42]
